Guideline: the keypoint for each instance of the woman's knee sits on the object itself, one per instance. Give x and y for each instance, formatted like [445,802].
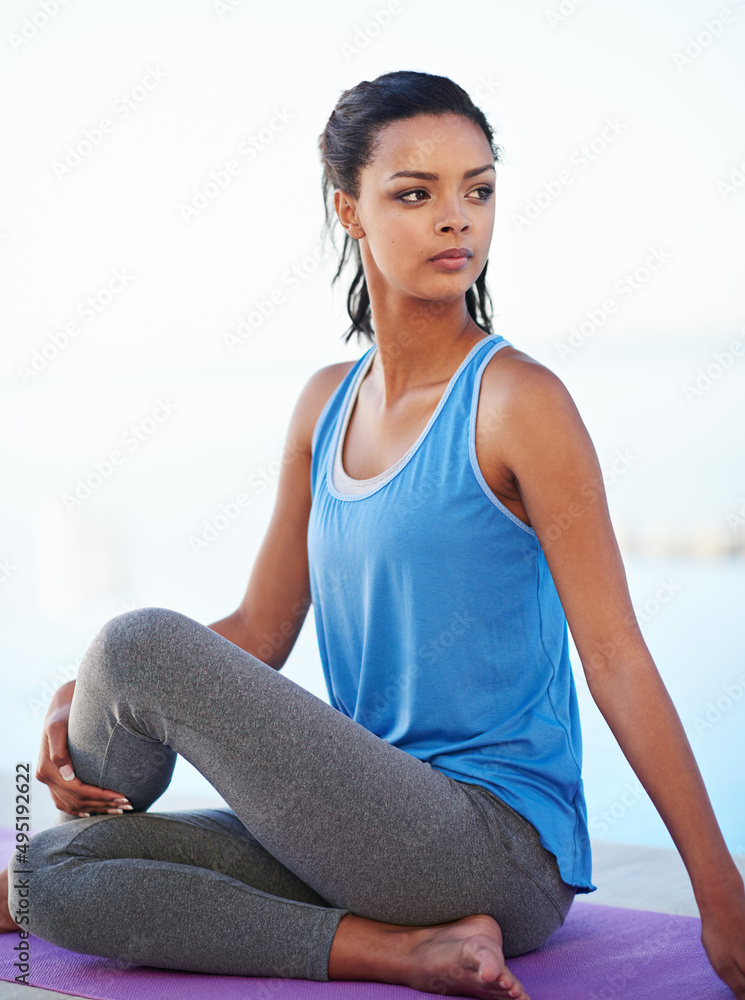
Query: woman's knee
[532,928]
[129,645]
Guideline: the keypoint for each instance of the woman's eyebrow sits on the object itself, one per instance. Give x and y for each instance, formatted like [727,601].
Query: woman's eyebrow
[424,176]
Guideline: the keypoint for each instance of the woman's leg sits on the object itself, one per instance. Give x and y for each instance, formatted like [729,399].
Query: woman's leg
[369,828]
[155,887]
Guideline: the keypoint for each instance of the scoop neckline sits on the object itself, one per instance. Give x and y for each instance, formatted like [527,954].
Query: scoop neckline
[379,481]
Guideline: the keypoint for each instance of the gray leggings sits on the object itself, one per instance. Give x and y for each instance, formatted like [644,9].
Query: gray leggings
[325,819]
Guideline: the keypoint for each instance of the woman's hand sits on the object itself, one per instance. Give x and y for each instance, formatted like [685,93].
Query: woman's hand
[55,767]
[723,938]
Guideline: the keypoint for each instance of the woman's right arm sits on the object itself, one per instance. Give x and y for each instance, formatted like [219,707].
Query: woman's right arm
[54,769]
[269,618]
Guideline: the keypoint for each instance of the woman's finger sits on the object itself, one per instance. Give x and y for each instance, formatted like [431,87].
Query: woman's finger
[89,796]
[59,753]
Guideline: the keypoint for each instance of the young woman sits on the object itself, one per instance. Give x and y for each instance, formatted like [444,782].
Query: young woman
[441,505]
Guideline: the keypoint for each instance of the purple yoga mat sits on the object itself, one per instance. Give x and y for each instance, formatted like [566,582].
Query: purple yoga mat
[601,953]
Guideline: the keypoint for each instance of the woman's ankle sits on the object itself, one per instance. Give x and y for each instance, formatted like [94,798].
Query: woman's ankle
[7,923]
[370,950]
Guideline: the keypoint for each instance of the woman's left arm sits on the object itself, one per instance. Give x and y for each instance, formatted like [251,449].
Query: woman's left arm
[557,474]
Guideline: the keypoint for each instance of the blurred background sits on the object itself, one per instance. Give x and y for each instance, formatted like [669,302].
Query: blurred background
[166,295]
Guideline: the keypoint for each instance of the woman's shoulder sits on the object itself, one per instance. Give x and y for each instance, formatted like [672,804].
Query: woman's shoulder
[513,381]
[315,394]
[521,401]
[324,382]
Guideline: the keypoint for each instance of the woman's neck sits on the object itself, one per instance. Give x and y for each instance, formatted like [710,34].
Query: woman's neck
[421,349]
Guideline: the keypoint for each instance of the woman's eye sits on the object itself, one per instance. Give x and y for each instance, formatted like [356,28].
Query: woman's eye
[410,197]
[405,197]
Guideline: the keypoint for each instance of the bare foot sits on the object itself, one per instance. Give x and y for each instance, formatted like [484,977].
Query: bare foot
[7,923]
[464,958]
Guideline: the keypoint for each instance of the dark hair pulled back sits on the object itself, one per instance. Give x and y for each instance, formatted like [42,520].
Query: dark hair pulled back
[347,144]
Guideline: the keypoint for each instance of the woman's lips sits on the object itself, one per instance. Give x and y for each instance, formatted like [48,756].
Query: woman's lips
[450,263]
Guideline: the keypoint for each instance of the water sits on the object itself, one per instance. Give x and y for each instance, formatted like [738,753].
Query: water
[696,636]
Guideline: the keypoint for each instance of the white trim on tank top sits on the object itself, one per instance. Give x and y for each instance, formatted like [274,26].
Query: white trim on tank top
[356,489]
[472,443]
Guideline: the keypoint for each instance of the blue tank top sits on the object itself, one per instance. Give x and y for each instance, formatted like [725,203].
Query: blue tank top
[439,625]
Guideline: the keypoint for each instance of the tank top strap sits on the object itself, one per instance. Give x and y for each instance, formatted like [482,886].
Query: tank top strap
[463,380]
[447,433]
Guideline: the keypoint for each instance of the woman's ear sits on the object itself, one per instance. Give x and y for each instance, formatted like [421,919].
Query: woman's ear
[346,211]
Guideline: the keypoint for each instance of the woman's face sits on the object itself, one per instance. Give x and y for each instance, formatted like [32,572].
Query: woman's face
[442,198]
